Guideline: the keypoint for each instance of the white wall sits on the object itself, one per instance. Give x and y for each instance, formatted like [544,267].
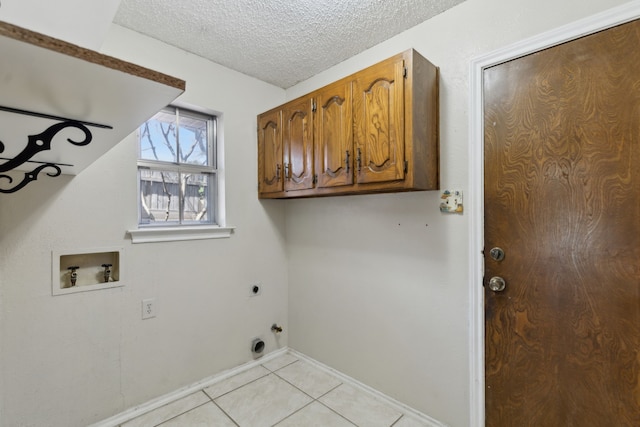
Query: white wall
[378,284]
[76,359]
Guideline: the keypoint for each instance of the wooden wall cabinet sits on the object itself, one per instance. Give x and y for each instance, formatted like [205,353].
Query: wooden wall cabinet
[375,131]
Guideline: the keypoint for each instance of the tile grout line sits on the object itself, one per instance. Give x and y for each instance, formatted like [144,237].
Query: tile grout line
[179,415]
[397,421]
[219,407]
[239,387]
[336,412]
[315,399]
[225,412]
[275,372]
[298,388]
[281,367]
[330,408]
[294,386]
[402,408]
[291,414]
[270,372]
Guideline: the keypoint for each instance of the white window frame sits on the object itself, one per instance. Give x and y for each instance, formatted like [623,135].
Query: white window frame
[158,232]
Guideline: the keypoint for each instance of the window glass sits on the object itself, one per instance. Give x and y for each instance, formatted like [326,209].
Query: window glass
[176,173]
[197,195]
[193,133]
[160,195]
[158,139]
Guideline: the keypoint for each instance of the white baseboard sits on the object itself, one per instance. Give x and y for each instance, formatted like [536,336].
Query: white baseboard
[151,405]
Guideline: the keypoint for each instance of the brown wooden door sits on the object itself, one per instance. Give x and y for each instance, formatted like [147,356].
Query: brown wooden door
[297,118]
[378,113]
[562,199]
[270,173]
[334,135]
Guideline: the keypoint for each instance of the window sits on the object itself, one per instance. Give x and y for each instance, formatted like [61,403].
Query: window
[177,172]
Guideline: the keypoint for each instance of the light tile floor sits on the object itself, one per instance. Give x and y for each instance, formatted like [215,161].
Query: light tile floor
[283,392]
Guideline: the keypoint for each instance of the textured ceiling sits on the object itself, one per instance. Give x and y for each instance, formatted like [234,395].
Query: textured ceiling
[281,42]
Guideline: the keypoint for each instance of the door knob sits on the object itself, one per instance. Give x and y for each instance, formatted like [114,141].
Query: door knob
[497,284]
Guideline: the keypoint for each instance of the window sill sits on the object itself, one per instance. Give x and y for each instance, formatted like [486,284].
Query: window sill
[172,234]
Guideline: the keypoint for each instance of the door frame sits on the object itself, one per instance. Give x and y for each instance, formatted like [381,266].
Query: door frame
[601,21]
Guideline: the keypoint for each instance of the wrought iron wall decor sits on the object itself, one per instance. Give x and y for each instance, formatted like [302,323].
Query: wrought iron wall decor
[41,142]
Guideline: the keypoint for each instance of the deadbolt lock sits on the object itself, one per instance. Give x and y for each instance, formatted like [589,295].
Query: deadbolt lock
[497,254]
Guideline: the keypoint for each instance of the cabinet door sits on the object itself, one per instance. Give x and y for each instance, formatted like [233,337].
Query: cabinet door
[334,136]
[270,152]
[378,109]
[297,124]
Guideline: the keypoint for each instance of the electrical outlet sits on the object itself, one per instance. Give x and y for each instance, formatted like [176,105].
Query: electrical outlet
[148,308]
[255,289]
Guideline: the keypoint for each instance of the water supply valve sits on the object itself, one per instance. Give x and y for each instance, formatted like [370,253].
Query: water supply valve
[73,275]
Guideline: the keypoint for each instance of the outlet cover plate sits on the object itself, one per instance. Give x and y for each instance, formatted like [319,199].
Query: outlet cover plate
[148,308]
[451,201]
